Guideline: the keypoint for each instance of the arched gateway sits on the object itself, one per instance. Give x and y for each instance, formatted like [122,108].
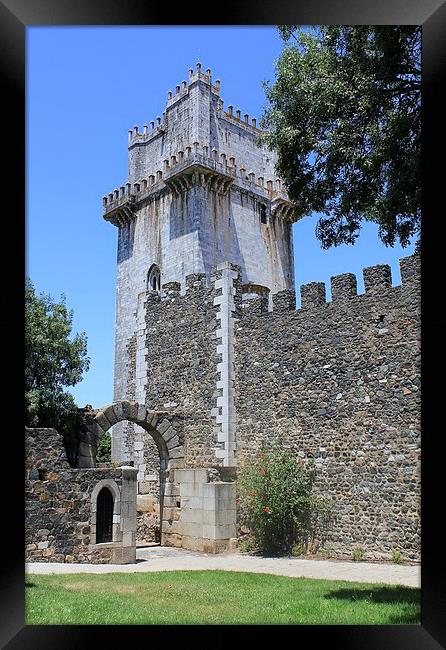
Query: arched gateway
[165,428]
[196,511]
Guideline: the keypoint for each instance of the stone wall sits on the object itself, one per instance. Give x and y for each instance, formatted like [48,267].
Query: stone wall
[181,343]
[60,506]
[339,382]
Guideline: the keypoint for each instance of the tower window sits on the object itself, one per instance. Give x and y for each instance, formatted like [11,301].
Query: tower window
[262,210]
[154,278]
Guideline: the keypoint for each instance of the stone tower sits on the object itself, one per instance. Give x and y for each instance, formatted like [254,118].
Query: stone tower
[201,191]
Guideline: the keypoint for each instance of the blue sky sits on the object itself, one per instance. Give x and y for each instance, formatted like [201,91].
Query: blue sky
[86,86]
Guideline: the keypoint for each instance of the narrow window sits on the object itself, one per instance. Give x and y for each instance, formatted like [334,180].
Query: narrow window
[104,516]
[154,278]
[262,209]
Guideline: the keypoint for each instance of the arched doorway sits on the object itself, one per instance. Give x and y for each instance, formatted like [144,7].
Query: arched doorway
[104,516]
[166,430]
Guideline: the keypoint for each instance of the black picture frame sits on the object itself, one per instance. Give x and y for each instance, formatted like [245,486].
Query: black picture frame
[15,17]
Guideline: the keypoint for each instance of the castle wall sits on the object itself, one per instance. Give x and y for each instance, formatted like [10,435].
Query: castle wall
[339,382]
[182,360]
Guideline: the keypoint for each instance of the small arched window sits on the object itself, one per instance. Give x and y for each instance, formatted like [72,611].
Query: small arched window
[104,516]
[154,278]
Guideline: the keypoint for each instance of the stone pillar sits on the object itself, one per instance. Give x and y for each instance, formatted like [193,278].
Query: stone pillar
[205,519]
[127,553]
[224,412]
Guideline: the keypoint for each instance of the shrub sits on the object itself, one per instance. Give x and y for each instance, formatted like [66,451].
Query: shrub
[298,550]
[397,558]
[326,553]
[275,501]
[246,545]
[358,554]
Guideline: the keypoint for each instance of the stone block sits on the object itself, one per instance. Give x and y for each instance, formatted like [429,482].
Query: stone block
[117,409]
[128,538]
[219,532]
[171,501]
[145,503]
[192,543]
[142,413]
[172,526]
[133,410]
[102,420]
[225,517]
[190,528]
[176,452]
[177,463]
[190,490]
[110,414]
[163,426]
[171,489]
[173,442]
[225,490]
[208,490]
[209,503]
[194,515]
[171,539]
[129,555]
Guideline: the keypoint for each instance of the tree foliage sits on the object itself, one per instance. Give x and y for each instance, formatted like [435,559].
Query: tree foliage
[103,454]
[344,118]
[54,359]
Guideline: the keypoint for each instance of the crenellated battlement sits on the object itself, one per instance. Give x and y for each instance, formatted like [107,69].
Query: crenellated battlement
[255,299]
[135,136]
[195,165]
[377,281]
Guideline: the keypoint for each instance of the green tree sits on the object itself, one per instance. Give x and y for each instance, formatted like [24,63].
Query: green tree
[344,118]
[54,359]
[104,449]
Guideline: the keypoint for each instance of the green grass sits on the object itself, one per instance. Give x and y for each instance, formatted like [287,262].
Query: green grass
[213,597]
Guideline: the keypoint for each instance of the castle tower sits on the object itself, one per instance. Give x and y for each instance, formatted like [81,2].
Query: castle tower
[201,191]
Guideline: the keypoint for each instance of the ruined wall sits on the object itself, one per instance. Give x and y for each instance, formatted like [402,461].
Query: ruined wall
[339,382]
[60,520]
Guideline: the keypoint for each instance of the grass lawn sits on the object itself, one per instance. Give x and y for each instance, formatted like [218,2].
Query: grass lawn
[213,597]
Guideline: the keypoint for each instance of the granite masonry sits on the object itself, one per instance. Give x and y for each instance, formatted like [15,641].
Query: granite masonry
[213,361]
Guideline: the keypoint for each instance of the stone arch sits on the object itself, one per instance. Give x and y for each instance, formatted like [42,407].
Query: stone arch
[165,428]
[154,278]
[116,492]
